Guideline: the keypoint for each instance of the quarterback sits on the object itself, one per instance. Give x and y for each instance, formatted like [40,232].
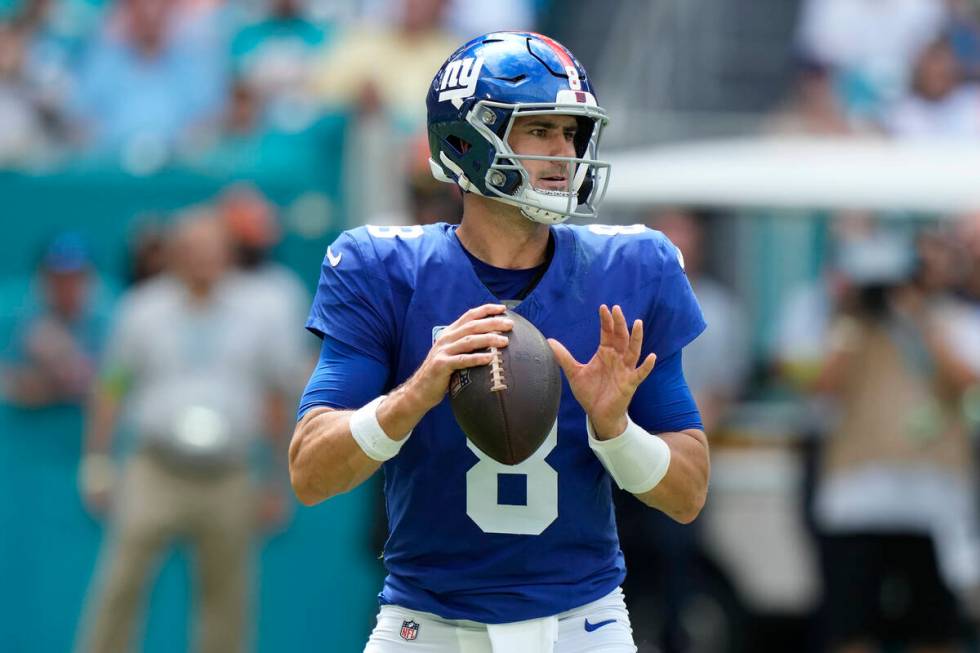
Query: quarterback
[532,564]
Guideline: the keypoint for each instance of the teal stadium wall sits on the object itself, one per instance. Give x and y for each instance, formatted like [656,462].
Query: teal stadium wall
[316,582]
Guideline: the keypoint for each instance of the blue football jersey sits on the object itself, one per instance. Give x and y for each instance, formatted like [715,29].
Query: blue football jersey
[471,538]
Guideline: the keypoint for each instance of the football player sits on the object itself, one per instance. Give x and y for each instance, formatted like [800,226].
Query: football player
[513,120]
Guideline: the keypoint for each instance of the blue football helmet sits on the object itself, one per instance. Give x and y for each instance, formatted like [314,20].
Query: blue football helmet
[473,102]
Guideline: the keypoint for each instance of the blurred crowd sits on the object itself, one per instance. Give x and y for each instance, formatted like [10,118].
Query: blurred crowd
[906,69]
[144,83]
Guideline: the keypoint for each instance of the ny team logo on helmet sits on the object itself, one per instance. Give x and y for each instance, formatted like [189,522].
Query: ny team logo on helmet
[473,102]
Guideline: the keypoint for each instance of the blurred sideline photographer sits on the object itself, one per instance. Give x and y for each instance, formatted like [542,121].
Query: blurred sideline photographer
[895,503]
[191,363]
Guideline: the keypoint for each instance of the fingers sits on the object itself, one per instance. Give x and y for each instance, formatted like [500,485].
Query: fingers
[643,371]
[605,327]
[495,323]
[476,313]
[565,360]
[613,330]
[473,342]
[460,361]
[621,334]
[635,343]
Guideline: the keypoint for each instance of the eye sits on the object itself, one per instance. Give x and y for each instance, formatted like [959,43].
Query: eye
[538,132]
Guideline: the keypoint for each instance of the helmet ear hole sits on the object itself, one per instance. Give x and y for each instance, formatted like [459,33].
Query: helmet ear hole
[586,188]
[583,135]
[461,146]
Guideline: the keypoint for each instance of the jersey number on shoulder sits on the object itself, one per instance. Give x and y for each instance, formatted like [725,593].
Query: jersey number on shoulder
[617,229]
[405,232]
[541,507]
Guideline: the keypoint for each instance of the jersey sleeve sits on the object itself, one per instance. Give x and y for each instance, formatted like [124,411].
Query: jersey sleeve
[344,378]
[353,302]
[663,402]
[676,319]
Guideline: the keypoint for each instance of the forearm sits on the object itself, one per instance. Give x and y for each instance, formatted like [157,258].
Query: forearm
[682,492]
[103,410]
[324,458]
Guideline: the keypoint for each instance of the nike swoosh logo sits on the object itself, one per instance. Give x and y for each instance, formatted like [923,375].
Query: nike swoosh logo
[596,626]
[334,260]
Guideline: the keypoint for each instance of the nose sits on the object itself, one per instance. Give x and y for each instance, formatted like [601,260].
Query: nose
[561,146]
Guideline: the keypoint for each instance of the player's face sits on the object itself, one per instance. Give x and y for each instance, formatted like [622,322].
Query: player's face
[545,136]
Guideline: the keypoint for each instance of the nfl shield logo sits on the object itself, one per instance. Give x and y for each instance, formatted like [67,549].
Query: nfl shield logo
[410,630]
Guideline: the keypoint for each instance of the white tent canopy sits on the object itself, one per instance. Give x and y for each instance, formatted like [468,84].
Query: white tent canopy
[929,176]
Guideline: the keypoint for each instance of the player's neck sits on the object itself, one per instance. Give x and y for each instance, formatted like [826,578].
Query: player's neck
[498,234]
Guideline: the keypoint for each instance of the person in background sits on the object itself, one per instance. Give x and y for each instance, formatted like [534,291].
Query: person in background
[661,553]
[25,134]
[813,107]
[714,384]
[249,220]
[358,74]
[58,343]
[147,252]
[870,45]
[251,224]
[191,362]
[938,104]
[894,501]
[274,56]
[154,72]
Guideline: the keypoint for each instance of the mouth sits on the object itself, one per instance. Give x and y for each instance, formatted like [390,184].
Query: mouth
[553,182]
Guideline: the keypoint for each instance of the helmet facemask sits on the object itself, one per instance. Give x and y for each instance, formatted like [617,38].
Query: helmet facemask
[509,181]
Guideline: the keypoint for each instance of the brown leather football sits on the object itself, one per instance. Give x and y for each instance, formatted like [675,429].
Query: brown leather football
[507,408]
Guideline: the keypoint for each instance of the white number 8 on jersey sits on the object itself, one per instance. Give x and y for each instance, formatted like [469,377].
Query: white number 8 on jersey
[541,508]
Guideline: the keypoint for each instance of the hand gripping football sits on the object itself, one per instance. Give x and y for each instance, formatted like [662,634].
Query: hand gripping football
[507,408]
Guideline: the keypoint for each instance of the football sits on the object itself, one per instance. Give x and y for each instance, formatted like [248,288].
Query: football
[507,408]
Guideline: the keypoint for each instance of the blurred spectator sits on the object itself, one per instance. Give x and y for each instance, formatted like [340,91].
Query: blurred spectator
[895,501]
[799,340]
[251,224]
[661,553]
[939,105]
[276,292]
[57,344]
[273,58]
[966,324]
[152,73]
[381,73]
[871,44]
[24,135]
[148,253]
[378,68]
[813,108]
[468,18]
[964,36]
[191,361]
[714,384]
[429,200]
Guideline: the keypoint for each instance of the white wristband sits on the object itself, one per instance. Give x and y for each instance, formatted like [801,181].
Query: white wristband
[636,460]
[369,435]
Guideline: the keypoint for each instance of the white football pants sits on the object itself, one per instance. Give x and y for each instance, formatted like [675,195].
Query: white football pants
[602,626]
